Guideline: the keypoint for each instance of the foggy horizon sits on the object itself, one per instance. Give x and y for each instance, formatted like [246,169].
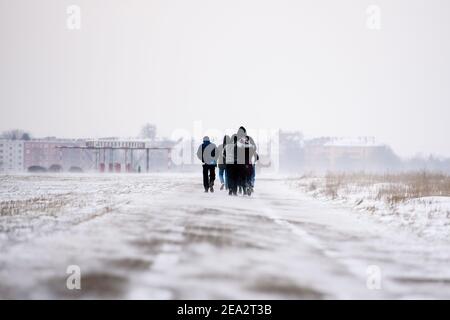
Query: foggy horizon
[295,65]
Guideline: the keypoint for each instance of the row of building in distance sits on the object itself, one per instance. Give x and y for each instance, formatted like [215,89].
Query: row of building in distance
[293,154]
[56,155]
[21,155]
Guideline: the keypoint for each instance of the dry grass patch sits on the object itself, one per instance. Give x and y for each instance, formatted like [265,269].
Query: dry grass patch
[391,188]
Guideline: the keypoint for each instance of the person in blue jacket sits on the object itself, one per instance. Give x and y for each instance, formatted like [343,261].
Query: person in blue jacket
[207,154]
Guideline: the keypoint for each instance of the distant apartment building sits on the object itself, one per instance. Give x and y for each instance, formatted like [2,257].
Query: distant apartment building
[11,156]
[334,154]
[49,154]
[59,155]
[348,154]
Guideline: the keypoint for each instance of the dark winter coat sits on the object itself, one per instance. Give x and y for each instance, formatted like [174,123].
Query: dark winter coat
[207,153]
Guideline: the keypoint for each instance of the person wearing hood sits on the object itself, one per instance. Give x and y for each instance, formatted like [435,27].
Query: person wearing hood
[207,154]
[246,167]
[231,167]
[242,134]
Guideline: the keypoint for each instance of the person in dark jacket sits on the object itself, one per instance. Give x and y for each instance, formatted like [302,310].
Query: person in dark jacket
[248,176]
[246,154]
[222,163]
[232,174]
[207,154]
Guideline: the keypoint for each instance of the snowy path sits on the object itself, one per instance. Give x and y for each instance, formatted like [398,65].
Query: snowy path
[160,236]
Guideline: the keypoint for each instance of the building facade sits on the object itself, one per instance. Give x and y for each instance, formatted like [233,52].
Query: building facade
[11,156]
[48,154]
[348,154]
[104,155]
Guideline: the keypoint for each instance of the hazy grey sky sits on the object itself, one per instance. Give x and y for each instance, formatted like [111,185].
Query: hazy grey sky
[308,65]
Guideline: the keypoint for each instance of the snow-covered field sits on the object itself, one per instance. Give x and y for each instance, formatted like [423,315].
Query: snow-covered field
[426,216]
[159,236]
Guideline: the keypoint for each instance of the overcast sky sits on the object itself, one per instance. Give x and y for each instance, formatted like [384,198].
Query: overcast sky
[307,65]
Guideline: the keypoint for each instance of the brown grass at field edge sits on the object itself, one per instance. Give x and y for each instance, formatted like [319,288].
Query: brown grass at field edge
[394,187]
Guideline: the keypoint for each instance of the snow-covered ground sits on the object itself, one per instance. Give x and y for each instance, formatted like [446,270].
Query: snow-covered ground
[427,217]
[160,236]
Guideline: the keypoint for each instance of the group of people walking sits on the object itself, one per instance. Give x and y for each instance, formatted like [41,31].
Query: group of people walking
[236,158]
